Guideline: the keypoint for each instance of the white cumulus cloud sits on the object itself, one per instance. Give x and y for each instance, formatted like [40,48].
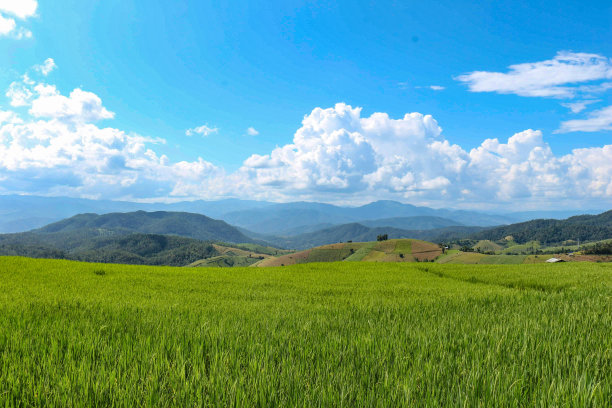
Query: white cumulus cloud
[57,147]
[21,9]
[7,25]
[339,153]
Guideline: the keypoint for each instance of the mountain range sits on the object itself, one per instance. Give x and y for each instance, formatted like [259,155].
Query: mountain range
[180,238]
[19,213]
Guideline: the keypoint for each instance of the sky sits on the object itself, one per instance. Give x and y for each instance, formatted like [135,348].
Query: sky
[457,104]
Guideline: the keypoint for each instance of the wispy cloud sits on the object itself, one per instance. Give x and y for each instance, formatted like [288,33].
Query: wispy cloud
[203,130]
[596,121]
[432,87]
[577,107]
[554,78]
[252,131]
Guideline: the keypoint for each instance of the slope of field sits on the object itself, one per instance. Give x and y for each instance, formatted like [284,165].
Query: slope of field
[237,256]
[340,334]
[482,259]
[487,246]
[393,250]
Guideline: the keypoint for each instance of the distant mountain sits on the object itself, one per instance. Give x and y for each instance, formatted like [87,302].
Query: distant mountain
[522,216]
[583,228]
[412,223]
[292,218]
[360,233]
[20,213]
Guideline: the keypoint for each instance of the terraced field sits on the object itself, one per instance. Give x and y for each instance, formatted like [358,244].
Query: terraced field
[393,250]
[320,334]
[240,255]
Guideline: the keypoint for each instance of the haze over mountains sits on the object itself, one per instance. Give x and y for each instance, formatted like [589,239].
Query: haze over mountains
[180,238]
[22,213]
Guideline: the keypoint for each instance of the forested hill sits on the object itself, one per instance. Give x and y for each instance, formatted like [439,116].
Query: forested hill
[582,227]
[183,224]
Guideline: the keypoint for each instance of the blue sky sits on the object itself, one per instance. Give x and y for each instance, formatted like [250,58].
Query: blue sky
[162,68]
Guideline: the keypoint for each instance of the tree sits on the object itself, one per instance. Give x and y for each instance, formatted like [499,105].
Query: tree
[382,237]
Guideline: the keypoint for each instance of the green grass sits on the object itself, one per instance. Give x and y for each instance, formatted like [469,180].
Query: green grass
[403,247]
[503,259]
[487,246]
[226,261]
[361,252]
[462,258]
[329,255]
[527,248]
[334,334]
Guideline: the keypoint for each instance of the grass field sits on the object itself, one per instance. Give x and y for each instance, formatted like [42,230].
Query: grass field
[321,334]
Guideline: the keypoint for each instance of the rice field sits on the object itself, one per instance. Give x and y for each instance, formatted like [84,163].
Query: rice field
[320,334]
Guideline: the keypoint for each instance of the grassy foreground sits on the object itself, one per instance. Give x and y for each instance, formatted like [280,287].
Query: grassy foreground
[341,334]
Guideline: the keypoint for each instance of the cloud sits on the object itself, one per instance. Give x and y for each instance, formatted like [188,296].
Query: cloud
[203,130]
[80,106]
[20,92]
[555,78]
[21,9]
[252,131]
[341,154]
[57,147]
[46,67]
[577,107]
[7,25]
[432,87]
[597,121]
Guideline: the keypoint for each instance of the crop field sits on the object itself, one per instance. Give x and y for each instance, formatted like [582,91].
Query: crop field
[393,250]
[320,334]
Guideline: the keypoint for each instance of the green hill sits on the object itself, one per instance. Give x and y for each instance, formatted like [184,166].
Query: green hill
[360,233]
[141,249]
[242,255]
[393,250]
[183,224]
[582,227]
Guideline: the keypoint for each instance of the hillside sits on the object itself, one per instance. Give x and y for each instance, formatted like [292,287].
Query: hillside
[412,223]
[183,224]
[393,250]
[237,256]
[360,233]
[138,249]
[155,238]
[583,228]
